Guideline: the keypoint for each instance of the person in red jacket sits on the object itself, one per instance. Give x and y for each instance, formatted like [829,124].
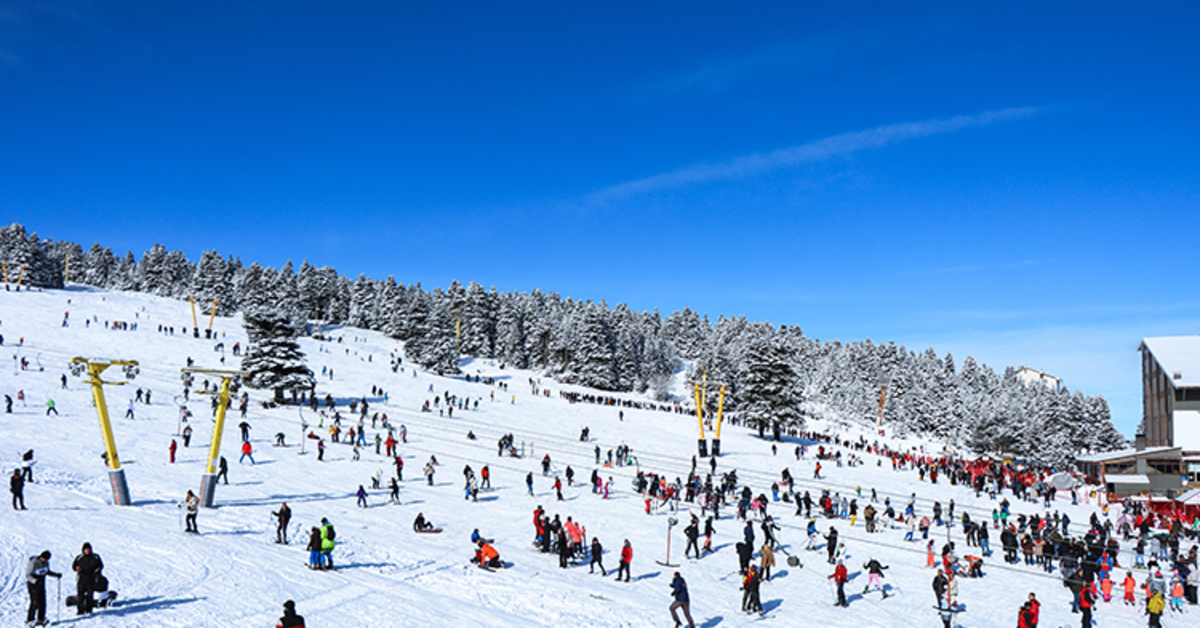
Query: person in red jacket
[1028,617]
[1087,599]
[626,559]
[172,450]
[840,576]
[247,452]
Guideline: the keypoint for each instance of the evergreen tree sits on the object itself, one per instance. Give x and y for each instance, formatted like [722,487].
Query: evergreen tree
[767,386]
[273,358]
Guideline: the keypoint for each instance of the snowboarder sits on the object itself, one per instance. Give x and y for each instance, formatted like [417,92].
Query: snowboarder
[192,504]
[284,515]
[290,619]
[87,568]
[35,580]
[679,591]
[420,524]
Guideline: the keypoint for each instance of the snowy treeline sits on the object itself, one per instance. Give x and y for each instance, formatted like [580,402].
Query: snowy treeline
[613,348]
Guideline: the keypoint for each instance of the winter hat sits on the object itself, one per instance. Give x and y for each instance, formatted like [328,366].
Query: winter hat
[289,605]
[45,555]
[86,547]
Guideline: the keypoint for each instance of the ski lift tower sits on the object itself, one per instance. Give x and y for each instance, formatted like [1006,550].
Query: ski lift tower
[93,368]
[701,390]
[208,482]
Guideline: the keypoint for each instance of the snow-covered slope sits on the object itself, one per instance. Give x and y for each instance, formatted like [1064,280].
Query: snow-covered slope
[232,574]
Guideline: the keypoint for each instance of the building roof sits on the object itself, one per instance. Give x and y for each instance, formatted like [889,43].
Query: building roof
[1179,357]
[1135,478]
[1130,454]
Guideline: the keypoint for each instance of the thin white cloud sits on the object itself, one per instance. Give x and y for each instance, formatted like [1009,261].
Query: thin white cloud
[971,268]
[820,150]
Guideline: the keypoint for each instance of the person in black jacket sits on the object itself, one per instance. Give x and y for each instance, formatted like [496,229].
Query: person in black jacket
[284,516]
[290,619]
[692,532]
[16,485]
[597,557]
[87,567]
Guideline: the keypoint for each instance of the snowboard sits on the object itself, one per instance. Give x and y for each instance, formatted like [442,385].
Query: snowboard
[429,531]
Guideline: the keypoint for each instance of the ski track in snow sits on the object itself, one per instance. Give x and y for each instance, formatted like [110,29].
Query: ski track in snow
[233,574]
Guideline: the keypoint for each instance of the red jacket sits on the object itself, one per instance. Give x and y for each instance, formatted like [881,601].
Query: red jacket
[839,574]
[627,554]
[246,447]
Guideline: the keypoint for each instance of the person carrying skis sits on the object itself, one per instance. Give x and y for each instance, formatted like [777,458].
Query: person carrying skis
[87,567]
[679,592]
[626,560]
[35,581]
[839,576]
[290,619]
[874,575]
[192,504]
[283,516]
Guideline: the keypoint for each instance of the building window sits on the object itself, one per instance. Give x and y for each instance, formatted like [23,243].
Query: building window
[1169,467]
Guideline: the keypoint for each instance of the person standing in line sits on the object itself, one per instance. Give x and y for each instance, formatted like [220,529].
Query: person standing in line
[679,591]
[35,580]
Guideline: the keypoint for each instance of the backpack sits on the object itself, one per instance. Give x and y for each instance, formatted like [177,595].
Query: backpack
[330,534]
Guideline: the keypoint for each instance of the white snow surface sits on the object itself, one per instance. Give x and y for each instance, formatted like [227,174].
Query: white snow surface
[233,574]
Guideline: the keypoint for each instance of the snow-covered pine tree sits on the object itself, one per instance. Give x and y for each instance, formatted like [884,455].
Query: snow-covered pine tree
[285,290]
[593,358]
[510,331]
[273,358]
[362,302]
[210,282]
[767,388]
[100,262]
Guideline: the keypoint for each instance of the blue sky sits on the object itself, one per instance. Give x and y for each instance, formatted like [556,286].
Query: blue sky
[1017,183]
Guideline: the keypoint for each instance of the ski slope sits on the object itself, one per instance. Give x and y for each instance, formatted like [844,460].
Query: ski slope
[233,574]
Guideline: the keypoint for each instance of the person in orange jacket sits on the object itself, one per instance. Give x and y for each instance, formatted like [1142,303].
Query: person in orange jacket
[1106,587]
[1130,585]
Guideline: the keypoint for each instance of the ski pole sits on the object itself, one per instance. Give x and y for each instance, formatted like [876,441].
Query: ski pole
[58,605]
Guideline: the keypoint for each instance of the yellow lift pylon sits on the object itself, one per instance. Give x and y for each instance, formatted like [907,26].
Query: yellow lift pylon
[208,482]
[93,368]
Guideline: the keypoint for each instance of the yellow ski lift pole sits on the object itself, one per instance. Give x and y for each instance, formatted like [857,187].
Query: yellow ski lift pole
[21,277]
[208,482]
[211,317]
[116,475]
[195,324]
[5,264]
[699,410]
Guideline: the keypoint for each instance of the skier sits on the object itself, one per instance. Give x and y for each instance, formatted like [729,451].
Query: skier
[192,504]
[362,496]
[171,450]
[87,568]
[874,575]
[284,515]
[16,485]
[429,472]
[680,592]
[529,482]
[839,576]
[597,552]
[751,602]
[187,435]
[394,497]
[8,401]
[290,619]
[35,580]
[328,542]
[314,548]
[626,559]
[247,452]
[50,407]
